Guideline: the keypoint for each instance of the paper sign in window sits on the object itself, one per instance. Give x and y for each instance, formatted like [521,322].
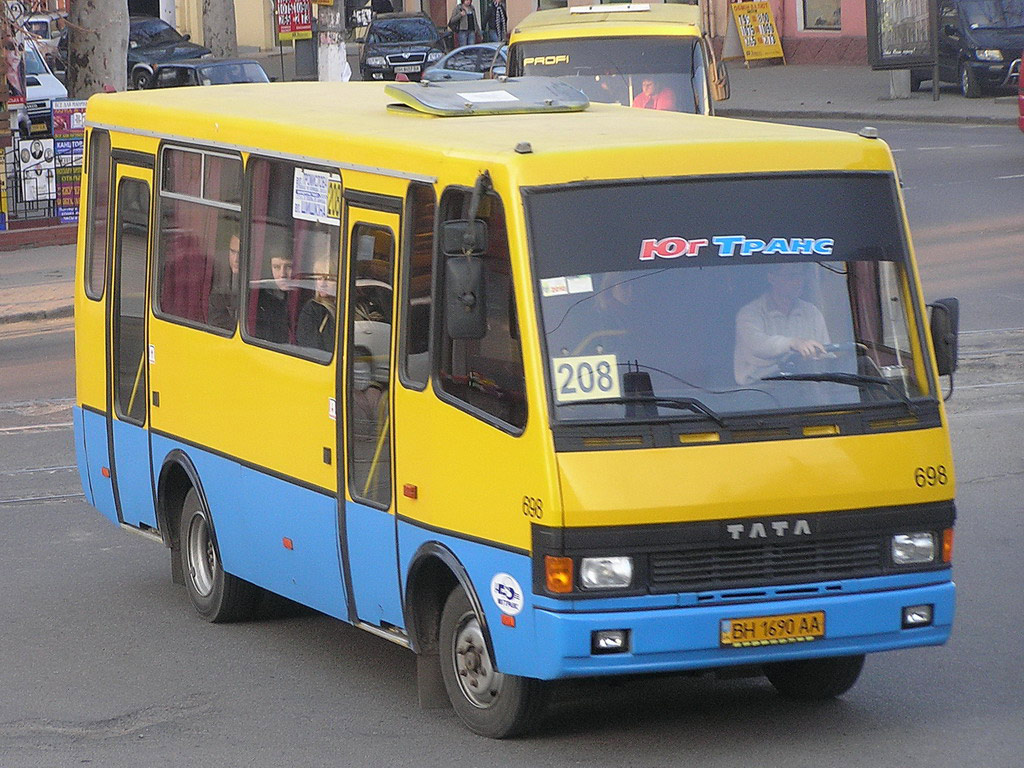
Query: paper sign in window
[587,377]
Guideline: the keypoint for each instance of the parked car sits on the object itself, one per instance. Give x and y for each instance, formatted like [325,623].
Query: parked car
[399,43]
[980,43]
[46,30]
[41,88]
[470,62]
[208,72]
[152,41]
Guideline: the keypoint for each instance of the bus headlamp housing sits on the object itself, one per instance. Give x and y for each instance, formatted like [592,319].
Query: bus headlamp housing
[913,548]
[606,572]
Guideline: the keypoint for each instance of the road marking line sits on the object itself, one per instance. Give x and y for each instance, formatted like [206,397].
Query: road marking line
[1015,176]
[927,149]
[56,497]
[34,428]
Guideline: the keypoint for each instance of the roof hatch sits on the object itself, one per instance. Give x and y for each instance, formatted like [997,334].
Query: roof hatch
[517,95]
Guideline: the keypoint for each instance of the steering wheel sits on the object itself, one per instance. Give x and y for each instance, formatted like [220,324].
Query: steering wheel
[794,362]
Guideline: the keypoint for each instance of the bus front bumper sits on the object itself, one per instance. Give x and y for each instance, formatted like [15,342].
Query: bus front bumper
[676,639]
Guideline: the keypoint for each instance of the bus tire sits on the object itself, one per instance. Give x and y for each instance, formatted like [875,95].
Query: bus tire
[489,702]
[216,595]
[815,679]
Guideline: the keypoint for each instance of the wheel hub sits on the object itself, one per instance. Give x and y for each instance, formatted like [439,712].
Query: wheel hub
[479,681]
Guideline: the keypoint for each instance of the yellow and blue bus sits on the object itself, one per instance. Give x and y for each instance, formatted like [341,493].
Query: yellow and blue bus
[535,388]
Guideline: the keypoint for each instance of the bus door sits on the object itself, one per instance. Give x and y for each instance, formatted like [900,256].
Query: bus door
[368,522]
[127,358]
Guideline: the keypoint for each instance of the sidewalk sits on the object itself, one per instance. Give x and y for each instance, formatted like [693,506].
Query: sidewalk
[38,283]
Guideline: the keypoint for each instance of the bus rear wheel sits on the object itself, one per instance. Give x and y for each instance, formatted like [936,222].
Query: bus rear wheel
[815,679]
[489,702]
[217,596]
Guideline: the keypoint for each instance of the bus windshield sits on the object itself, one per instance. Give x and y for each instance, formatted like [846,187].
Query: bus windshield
[734,295]
[612,70]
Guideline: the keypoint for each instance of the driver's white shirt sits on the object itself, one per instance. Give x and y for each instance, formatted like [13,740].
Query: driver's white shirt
[763,336]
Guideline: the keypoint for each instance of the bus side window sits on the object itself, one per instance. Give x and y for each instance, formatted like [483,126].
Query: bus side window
[486,374]
[198,261]
[98,216]
[418,274]
[285,302]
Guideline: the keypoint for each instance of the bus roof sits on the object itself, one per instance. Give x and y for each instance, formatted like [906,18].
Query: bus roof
[605,21]
[358,124]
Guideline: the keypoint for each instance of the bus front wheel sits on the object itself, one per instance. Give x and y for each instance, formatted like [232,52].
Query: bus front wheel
[815,679]
[216,595]
[489,702]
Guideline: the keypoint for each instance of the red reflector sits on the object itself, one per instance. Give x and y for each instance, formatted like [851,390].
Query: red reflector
[105,472]
[411,491]
[287,543]
[508,621]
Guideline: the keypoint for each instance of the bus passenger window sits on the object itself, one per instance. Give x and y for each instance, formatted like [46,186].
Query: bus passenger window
[418,275]
[291,276]
[99,208]
[486,374]
[199,238]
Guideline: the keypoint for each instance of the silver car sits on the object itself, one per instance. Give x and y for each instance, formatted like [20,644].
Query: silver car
[470,62]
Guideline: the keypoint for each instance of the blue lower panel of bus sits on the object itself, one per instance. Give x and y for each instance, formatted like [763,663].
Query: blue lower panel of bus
[91,433]
[131,473]
[373,564]
[270,531]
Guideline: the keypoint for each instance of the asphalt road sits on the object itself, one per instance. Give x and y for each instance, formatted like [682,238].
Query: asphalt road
[103,661]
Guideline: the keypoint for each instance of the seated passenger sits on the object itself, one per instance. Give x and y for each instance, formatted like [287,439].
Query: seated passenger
[654,95]
[223,302]
[777,324]
[272,305]
[315,328]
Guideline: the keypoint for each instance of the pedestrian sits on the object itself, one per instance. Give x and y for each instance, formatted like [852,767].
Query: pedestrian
[496,23]
[463,23]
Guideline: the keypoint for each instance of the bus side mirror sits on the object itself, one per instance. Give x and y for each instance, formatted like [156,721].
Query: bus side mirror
[461,237]
[465,305]
[719,81]
[945,327]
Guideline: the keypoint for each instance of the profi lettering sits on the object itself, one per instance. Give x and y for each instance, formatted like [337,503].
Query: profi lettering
[778,529]
[546,61]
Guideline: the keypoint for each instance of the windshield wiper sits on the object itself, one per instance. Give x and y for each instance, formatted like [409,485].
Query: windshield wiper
[853,379]
[679,403]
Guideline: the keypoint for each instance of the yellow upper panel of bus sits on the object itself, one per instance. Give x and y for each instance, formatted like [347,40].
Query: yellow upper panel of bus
[350,124]
[670,19]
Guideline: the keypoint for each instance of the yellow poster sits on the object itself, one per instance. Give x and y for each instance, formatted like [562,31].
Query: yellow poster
[759,36]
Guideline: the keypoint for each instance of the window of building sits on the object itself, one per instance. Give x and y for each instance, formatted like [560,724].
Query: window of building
[99,209]
[485,374]
[199,256]
[822,14]
[292,269]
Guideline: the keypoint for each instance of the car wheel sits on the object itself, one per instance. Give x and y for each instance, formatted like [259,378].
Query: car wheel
[489,702]
[916,78]
[969,85]
[216,595]
[814,679]
[141,78]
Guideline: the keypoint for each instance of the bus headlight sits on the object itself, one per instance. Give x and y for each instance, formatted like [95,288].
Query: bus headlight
[606,572]
[913,548]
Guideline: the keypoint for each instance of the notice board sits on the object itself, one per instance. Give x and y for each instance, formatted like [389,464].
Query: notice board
[759,37]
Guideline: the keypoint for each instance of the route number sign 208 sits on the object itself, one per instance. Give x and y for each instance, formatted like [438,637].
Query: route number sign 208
[588,377]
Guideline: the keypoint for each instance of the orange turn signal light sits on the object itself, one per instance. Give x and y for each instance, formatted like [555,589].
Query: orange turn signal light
[558,574]
[947,545]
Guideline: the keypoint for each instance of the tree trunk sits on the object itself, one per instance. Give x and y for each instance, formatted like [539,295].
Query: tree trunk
[97,47]
[219,28]
[331,60]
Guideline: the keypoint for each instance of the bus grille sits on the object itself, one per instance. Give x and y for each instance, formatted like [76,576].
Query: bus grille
[728,567]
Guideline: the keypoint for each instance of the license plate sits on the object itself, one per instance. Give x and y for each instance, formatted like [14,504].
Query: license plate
[772,630]
[406,68]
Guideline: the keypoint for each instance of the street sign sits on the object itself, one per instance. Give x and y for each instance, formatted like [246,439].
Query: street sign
[759,37]
[901,33]
[294,20]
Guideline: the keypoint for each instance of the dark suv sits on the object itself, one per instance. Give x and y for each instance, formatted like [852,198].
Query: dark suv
[980,45]
[399,44]
[152,42]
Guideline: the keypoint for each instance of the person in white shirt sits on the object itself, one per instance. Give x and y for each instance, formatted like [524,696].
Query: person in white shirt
[777,324]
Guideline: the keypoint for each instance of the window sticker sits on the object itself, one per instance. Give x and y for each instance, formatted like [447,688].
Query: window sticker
[735,245]
[488,97]
[560,286]
[587,377]
[580,284]
[316,196]
[507,594]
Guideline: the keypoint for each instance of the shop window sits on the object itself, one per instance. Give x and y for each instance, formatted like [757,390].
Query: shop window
[822,14]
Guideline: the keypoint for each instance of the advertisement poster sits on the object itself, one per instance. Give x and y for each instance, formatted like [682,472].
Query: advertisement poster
[294,20]
[69,149]
[38,166]
[901,33]
[14,65]
[3,191]
[759,37]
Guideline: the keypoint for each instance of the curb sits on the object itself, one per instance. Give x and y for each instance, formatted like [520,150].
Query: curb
[810,114]
[38,237]
[66,310]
